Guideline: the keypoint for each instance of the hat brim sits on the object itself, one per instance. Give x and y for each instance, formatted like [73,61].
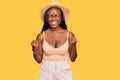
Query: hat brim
[64,10]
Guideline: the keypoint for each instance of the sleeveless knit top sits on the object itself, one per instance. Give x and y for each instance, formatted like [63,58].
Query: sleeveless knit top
[55,54]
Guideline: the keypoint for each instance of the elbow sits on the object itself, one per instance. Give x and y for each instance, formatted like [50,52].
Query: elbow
[73,58]
[39,61]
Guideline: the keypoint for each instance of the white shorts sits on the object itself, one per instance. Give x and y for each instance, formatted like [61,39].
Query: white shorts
[55,70]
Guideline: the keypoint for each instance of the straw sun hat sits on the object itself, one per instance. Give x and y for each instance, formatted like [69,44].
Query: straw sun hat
[54,4]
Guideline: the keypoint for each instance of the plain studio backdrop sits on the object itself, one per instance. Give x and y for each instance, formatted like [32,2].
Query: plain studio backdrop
[95,23]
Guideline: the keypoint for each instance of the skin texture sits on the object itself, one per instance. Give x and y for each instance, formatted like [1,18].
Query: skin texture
[55,36]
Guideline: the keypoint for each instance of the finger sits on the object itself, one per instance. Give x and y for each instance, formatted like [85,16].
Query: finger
[36,40]
[32,42]
[73,40]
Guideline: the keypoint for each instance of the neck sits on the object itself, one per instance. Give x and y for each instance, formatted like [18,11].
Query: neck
[55,29]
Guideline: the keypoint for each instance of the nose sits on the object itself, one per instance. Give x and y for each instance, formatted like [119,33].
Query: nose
[53,18]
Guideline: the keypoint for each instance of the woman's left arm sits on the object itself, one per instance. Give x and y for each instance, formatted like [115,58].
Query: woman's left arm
[72,47]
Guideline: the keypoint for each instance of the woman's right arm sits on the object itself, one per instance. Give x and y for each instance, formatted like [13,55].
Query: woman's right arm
[37,48]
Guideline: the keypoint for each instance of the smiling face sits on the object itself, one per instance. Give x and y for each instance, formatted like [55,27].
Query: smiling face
[54,17]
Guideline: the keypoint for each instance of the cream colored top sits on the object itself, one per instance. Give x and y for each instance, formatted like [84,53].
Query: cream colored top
[55,54]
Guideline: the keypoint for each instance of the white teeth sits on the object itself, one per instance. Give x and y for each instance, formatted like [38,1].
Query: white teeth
[54,23]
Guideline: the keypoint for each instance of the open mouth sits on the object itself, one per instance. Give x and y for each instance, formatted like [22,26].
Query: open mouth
[54,23]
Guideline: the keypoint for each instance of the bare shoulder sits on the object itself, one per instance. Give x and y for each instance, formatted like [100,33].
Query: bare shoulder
[40,37]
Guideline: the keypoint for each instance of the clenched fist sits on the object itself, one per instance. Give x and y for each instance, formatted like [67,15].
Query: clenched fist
[34,45]
[73,41]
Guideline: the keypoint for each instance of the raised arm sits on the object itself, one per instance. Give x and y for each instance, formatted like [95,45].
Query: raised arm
[37,48]
[72,47]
